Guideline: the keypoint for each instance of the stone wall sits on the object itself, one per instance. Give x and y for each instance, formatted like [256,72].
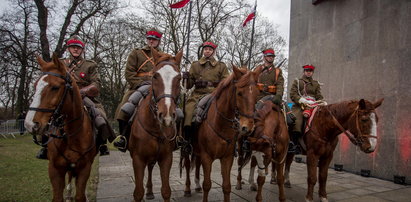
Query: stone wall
[361,49]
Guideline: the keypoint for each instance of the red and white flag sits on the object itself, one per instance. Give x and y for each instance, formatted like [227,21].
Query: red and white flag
[179,4]
[251,15]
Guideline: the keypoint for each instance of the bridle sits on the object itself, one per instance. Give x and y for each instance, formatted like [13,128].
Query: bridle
[56,120]
[359,140]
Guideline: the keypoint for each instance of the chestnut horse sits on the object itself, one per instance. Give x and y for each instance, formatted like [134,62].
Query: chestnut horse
[356,119]
[231,112]
[268,143]
[153,130]
[57,112]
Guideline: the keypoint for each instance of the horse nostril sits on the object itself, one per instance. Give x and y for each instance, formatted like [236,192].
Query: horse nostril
[36,126]
[244,129]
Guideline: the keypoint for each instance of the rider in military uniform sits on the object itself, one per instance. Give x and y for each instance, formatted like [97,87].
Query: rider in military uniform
[138,73]
[304,90]
[271,80]
[205,74]
[87,78]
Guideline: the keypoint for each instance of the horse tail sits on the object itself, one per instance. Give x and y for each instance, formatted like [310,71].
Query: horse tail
[69,187]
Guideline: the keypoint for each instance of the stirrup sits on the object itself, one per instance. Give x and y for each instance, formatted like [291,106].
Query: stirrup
[121,146]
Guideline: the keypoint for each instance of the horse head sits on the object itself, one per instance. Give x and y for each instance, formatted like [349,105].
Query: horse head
[365,120]
[51,92]
[246,97]
[166,86]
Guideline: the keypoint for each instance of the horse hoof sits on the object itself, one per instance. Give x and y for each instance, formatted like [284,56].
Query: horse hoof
[199,190]
[322,199]
[287,184]
[253,188]
[273,181]
[187,193]
[150,196]
[238,187]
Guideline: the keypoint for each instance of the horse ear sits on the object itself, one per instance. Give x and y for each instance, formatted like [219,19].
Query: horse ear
[41,62]
[155,53]
[57,62]
[179,56]
[378,103]
[257,72]
[361,104]
[236,71]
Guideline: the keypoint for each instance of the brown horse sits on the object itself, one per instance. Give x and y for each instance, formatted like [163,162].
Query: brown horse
[356,119]
[268,143]
[57,112]
[233,99]
[153,130]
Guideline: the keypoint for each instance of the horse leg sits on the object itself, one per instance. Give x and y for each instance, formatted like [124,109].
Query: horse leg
[262,167]
[322,177]
[187,190]
[312,161]
[138,165]
[165,167]
[57,179]
[206,162]
[253,186]
[280,181]
[197,175]
[226,165]
[81,182]
[240,162]
[288,162]
[149,184]
[273,174]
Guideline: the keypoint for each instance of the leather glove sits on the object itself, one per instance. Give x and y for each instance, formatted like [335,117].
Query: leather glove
[89,91]
[277,99]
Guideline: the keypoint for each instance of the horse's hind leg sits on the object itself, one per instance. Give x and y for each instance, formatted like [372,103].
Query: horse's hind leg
[197,175]
[273,174]
[81,182]
[138,166]
[288,162]
[165,167]
[280,181]
[57,178]
[312,162]
[149,185]
[253,164]
[187,189]
[322,177]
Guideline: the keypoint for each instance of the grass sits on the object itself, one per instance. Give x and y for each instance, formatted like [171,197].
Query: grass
[25,178]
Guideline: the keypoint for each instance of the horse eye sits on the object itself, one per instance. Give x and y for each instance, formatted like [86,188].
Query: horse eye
[240,94]
[364,119]
[54,88]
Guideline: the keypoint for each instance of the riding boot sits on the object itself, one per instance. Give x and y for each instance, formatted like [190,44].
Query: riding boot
[294,145]
[42,154]
[121,143]
[186,147]
[102,145]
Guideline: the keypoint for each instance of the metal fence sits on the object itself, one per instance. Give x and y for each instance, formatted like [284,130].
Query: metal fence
[12,127]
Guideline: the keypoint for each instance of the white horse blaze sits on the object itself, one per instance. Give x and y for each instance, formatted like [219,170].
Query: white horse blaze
[28,122]
[373,141]
[168,73]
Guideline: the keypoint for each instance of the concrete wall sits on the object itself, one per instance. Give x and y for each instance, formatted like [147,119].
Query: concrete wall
[361,49]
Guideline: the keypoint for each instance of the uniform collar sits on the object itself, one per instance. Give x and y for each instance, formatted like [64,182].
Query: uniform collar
[146,47]
[267,68]
[70,59]
[307,79]
[212,60]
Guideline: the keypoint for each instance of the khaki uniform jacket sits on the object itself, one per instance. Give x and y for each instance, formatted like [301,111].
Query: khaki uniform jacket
[209,70]
[84,71]
[267,77]
[303,87]
[137,62]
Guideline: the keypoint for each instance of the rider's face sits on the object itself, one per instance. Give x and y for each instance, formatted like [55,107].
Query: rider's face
[308,72]
[152,42]
[208,51]
[75,51]
[269,59]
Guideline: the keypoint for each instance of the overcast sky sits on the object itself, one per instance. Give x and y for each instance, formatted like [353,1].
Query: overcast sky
[277,11]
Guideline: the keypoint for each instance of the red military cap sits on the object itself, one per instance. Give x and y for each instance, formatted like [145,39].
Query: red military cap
[209,44]
[308,67]
[153,33]
[269,52]
[75,41]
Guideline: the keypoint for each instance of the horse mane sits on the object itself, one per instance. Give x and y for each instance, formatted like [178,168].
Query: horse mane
[341,108]
[261,116]
[244,80]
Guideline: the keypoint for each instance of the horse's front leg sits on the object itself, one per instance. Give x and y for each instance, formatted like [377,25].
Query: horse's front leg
[138,165]
[149,184]
[280,181]
[312,161]
[81,182]
[253,164]
[165,167]
[197,175]
[263,163]
[322,177]
[57,179]
[240,162]
[206,162]
[226,165]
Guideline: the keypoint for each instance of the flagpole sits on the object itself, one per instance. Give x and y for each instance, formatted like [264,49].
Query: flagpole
[252,37]
[188,35]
